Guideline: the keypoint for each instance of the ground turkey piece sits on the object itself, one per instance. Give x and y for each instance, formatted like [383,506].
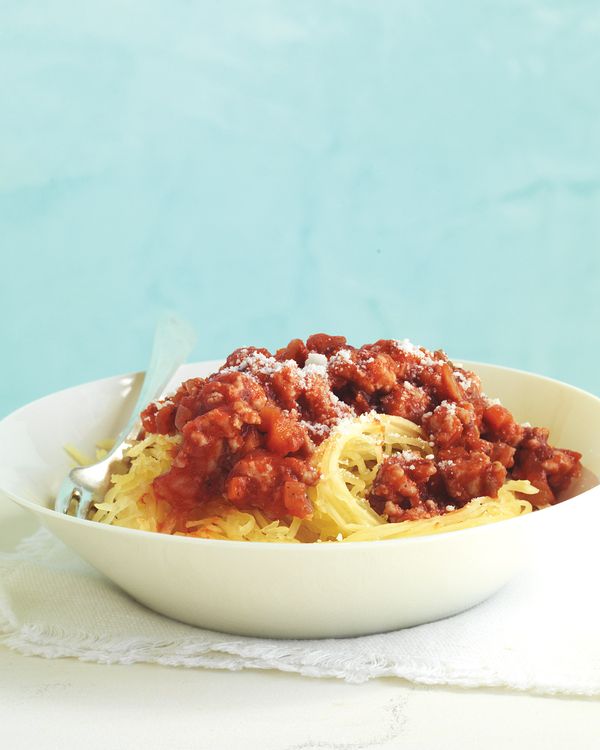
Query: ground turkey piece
[547,468]
[236,420]
[451,424]
[400,489]
[323,343]
[406,400]
[499,424]
[276,485]
[296,350]
[166,417]
[469,474]
[363,370]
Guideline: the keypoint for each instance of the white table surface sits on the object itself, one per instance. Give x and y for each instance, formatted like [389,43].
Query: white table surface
[65,704]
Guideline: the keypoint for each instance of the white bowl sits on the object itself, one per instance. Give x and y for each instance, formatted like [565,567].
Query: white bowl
[291,591]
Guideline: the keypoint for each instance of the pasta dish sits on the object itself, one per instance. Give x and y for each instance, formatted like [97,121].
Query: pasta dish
[326,442]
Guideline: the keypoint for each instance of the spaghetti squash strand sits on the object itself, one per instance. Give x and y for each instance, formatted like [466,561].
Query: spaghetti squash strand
[358,447]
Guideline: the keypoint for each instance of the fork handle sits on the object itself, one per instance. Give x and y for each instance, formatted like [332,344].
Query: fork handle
[174,339]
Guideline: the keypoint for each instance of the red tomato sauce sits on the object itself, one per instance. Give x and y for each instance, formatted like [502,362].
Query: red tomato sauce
[249,431]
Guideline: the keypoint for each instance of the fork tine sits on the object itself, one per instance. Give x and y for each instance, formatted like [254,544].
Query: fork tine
[85,502]
[69,492]
[63,498]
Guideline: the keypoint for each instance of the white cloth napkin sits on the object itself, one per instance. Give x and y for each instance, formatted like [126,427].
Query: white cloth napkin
[540,633]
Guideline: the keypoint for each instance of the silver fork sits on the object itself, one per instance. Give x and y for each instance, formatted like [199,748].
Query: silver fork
[174,339]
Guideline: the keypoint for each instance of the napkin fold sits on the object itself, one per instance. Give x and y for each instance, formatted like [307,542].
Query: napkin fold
[540,633]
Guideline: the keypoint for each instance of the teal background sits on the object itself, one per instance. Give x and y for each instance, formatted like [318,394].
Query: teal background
[428,170]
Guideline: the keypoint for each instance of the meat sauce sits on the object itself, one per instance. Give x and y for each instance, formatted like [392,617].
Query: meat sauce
[249,430]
